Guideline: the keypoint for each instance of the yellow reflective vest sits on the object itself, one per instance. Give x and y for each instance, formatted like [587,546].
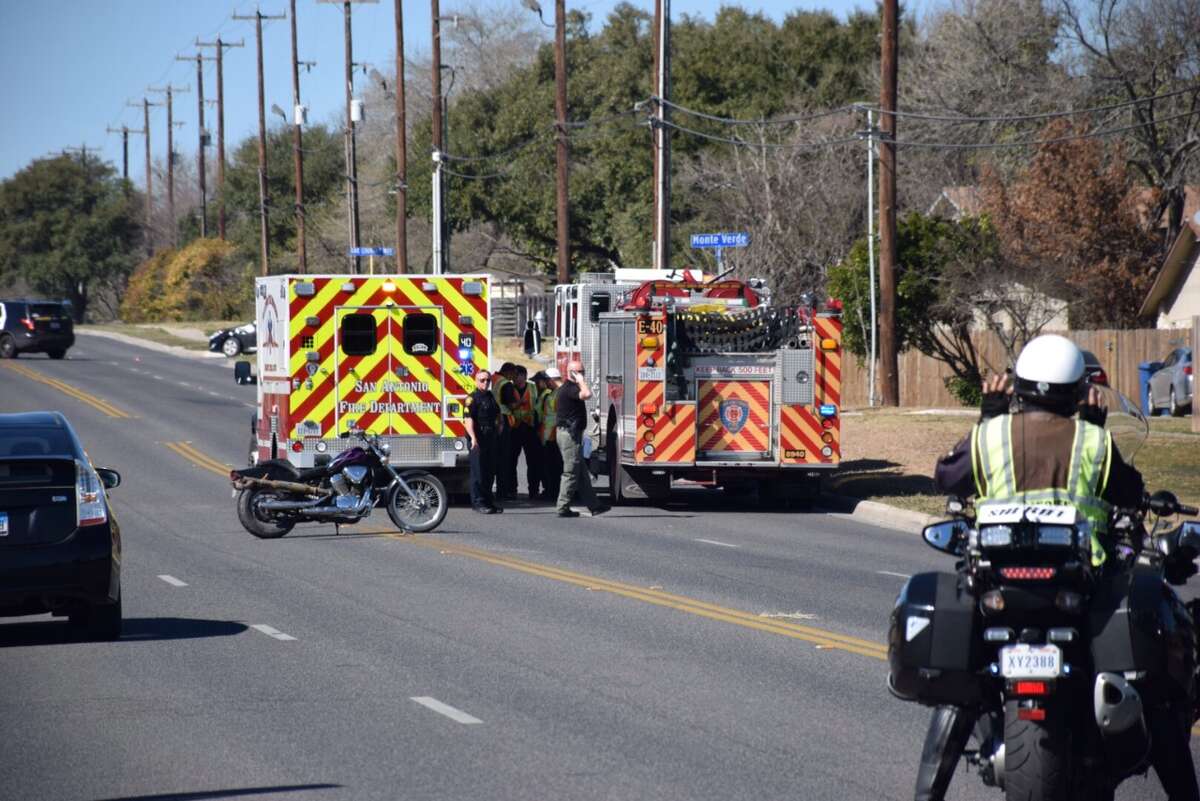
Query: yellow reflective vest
[523,412]
[498,389]
[548,415]
[997,476]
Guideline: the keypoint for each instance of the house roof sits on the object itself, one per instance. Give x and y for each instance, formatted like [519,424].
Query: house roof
[963,201]
[1175,268]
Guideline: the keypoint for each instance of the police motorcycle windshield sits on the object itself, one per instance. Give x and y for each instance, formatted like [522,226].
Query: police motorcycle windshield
[1125,422]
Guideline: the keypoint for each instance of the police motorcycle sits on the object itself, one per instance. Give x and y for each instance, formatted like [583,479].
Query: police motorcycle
[1070,671]
[273,496]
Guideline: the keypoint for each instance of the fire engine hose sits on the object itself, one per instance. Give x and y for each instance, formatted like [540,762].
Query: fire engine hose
[749,331]
[245,482]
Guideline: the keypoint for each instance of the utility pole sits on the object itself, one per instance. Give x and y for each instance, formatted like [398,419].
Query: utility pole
[351,142]
[264,242]
[662,140]
[169,91]
[146,104]
[888,354]
[438,215]
[202,136]
[220,59]
[560,112]
[297,151]
[124,131]
[401,150]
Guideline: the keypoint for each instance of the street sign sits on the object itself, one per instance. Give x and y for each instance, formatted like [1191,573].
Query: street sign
[372,251]
[740,239]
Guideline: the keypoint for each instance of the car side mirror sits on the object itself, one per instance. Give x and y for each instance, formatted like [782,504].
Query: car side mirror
[111,479]
[242,375]
[949,537]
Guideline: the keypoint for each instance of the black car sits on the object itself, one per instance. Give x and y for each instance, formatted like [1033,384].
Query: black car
[1094,370]
[232,341]
[35,326]
[60,547]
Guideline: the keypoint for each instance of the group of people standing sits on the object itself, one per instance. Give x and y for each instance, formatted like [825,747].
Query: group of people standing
[507,416]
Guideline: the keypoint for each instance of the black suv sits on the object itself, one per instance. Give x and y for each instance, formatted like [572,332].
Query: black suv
[60,547]
[35,326]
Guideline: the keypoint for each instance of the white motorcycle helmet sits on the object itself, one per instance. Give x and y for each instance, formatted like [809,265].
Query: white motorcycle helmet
[1050,372]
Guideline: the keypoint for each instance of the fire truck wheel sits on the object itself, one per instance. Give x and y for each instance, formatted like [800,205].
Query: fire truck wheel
[615,474]
[263,528]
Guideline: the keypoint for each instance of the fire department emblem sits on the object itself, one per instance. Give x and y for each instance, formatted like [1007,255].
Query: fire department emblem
[734,414]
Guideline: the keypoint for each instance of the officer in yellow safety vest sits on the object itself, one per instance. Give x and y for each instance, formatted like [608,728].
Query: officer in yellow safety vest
[502,389]
[1040,454]
[521,399]
[548,416]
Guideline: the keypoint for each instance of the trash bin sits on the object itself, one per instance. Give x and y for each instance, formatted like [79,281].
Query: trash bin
[1145,370]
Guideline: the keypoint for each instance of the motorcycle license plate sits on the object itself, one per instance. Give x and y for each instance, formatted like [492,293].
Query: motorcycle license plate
[1031,661]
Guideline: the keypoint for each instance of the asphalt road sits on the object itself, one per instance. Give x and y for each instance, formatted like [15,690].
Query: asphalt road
[692,651]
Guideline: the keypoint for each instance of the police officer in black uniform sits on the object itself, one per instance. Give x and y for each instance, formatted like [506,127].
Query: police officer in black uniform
[483,427]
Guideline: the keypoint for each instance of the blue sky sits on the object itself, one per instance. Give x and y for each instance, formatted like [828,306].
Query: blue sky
[69,66]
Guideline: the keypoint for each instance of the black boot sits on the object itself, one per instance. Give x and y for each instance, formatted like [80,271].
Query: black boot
[949,729]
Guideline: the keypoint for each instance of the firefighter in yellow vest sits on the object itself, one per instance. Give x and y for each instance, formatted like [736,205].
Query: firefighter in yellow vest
[502,389]
[552,466]
[1042,453]
[521,398]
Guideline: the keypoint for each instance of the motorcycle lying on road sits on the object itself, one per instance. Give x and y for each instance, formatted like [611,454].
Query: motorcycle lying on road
[1073,677]
[273,496]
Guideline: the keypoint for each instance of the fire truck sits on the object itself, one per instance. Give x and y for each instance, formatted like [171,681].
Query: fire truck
[704,382]
[392,355]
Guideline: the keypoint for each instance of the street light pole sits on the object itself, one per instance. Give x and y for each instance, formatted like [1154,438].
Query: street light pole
[438,144]
[560,113]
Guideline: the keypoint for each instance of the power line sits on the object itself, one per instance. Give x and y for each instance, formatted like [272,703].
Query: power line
[774,145]
[786,120]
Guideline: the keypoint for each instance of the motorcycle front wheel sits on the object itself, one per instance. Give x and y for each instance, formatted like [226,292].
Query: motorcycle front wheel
[422,510]
[256,522]
[1036,757]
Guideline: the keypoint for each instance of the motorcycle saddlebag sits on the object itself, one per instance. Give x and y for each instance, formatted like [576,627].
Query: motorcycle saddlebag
[932,642]
[1138,624]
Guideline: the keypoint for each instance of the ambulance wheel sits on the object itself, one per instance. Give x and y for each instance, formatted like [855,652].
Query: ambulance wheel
[254,521]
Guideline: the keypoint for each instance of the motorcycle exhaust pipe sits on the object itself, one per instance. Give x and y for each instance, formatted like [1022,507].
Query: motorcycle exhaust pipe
[1118,709]
[291,506]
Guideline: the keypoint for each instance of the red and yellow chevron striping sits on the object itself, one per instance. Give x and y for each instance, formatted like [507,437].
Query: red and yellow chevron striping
[735,417]
[388,391]
[803,435]
[672,436]
[828,373]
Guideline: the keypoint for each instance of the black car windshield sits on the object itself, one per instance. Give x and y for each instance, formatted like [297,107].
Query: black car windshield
[36,441]
[47,310]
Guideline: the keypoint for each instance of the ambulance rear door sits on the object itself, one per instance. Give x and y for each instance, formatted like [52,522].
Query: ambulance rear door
[388,370]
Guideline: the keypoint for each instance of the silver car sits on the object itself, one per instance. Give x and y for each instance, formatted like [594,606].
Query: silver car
[1171,385]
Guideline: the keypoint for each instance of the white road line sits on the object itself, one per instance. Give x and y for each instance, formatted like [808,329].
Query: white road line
[174,582]
[272,632]
[158,377]
[214,394]
[716,542]
[890,573]
[457,715]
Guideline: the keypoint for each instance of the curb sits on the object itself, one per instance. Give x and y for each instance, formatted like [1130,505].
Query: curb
[879,514]
[173,350]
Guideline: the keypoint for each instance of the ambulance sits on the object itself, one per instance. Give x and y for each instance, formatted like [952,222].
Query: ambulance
[392,355]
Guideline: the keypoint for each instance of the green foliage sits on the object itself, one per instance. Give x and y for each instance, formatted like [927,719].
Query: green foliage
[324,175]
[206,280]
[965,391]
[932,309]
[741,64]
[67,227]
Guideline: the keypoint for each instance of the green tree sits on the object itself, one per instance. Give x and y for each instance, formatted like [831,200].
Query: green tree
[935,309]
[68,228]
[324,174]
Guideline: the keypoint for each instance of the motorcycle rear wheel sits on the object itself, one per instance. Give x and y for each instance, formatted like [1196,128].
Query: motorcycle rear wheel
[1037,757]
[263,528]
[422,511]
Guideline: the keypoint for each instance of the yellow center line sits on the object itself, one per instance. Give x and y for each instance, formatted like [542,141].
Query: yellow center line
[78,394]
[197,458]
[820,637]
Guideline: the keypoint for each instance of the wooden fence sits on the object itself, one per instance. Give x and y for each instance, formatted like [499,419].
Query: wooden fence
[922,378]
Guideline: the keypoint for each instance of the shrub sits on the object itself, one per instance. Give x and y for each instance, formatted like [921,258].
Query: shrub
[206,280]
